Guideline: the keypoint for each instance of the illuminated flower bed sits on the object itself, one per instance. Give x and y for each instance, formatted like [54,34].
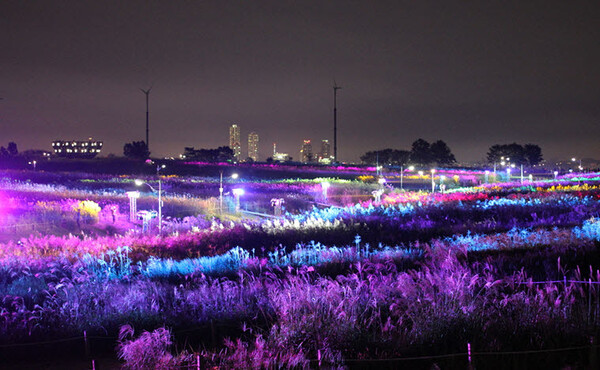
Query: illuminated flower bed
[417,275]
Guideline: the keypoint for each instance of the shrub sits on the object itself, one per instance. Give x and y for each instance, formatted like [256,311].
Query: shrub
[149,350]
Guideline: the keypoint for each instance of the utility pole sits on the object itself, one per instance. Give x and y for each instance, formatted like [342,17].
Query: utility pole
[335,89]
[147,92]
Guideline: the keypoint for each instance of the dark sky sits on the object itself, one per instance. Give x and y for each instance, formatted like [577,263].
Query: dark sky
[472,73]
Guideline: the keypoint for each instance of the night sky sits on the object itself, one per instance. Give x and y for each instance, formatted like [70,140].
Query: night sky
[474,73]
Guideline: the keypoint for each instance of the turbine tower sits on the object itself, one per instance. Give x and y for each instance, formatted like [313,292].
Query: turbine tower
[147,92]
[335,89]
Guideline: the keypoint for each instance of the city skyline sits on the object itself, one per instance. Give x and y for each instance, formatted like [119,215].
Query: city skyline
[472,74]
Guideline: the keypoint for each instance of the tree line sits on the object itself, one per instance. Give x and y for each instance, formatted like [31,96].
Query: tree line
[527,155]
[424,154]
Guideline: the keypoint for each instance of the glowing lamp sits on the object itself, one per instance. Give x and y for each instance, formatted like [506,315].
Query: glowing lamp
[238,192]
[133,194]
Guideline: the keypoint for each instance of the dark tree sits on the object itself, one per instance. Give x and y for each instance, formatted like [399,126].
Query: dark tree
[225,154]
[532,154]
[515,152]
[136,149]
[390,157]
[12,149]
[3,152]
[221,154]
[441,154]
[421,152]
[369,157]
[399,157]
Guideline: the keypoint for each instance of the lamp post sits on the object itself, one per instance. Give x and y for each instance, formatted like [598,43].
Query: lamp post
[133,196]
[141,182]
[324,187]
[508,174]
[410,168]
[521,174]
[432,180]
[233,176]
[555,174]
[575,160]
[381,181]
[33,163]
[237,192]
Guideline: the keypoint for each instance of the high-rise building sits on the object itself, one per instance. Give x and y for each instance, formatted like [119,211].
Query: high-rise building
[234,142]
[77,148]
[325,154]
[306,152]
[253,146]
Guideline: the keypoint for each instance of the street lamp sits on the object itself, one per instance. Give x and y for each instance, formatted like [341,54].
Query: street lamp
[233,176]
[324,186]
[575,160]
[133,196]
[555,174]
[34,164]
[141,182]
[410,168]
[521,174]
[237,192]
[432,180]
[487,175]
[508,174]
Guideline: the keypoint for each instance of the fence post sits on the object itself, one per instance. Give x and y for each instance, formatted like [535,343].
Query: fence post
[87,345]
[212,333]
[470,364]
[590,301]
[593,359]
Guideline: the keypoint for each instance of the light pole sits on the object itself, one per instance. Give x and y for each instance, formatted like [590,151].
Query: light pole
[442,185]
[410,168]
[521,174]
[237,192]
[233,176]
[487,175]
[141,182]
[508,174]
[33,163]
[133,196]
[575,160]
[324,187]
[432,180]
[555,174]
